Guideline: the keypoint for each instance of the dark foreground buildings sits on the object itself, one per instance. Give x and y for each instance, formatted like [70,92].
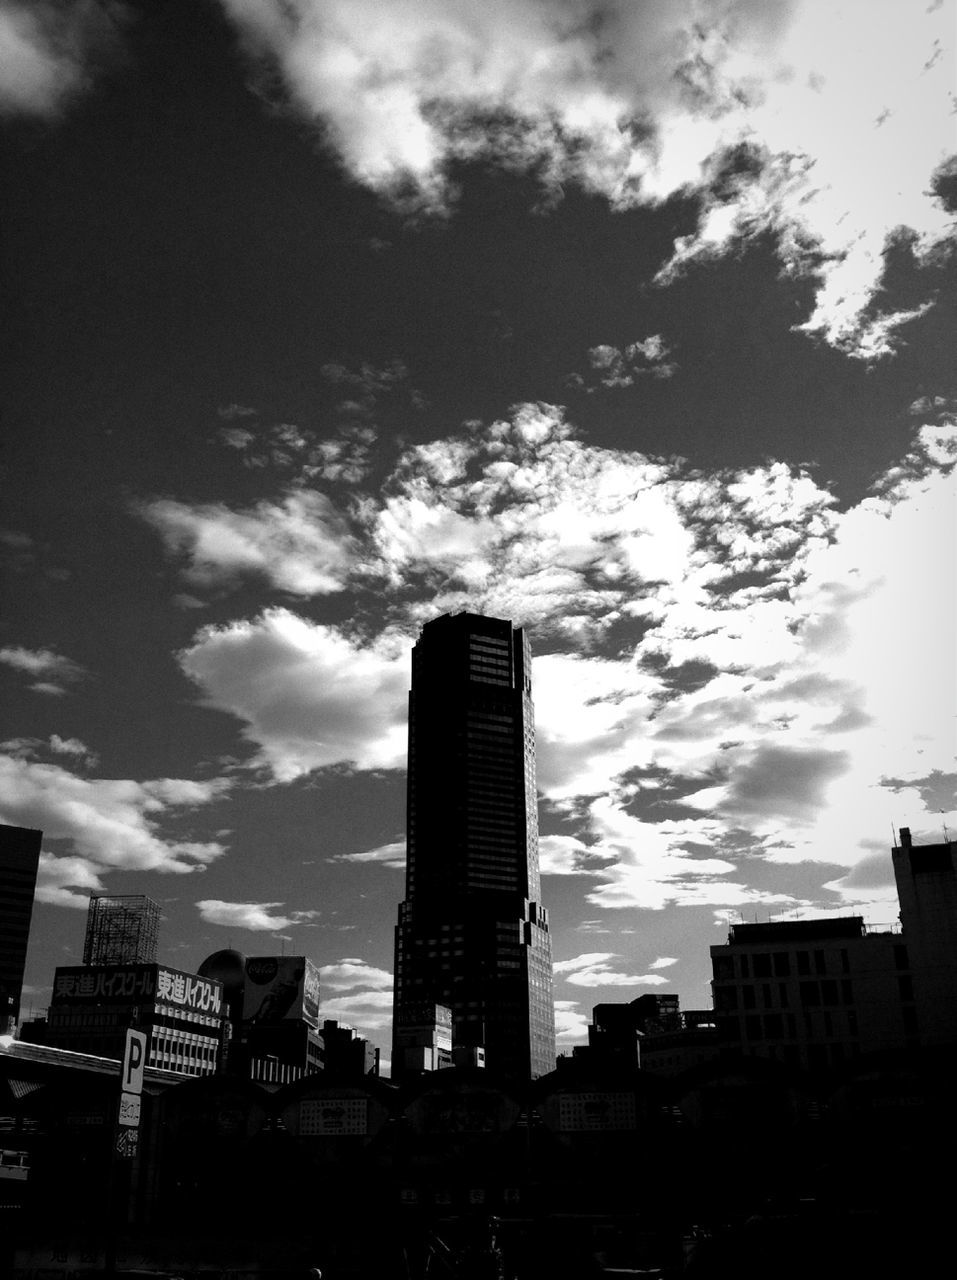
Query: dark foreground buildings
[472,933]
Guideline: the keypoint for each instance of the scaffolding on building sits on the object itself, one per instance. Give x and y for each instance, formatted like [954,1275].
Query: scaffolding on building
[121,930]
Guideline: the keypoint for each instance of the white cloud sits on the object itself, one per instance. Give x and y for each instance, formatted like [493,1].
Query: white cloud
[367,1004]
[259,917]
[111,824]
[300,545]
[663,962]
[822,124]
[571,1027]
[594,970]
[750,717]
[389,855]
[309,696]
[50,52]
[56,672]
[347,974]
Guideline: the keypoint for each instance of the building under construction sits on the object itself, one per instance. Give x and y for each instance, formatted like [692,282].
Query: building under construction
[121,930]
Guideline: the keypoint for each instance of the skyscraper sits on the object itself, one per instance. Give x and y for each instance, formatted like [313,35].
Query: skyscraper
[19,857]
[472,934]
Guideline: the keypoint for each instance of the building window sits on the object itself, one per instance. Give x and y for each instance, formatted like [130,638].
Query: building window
[819,965]
[828,991]
[747,996]
[744,967]
[810,994]
[804,961]
[905,986]
[782,964]
[900,957]
[762,966]
[783,994]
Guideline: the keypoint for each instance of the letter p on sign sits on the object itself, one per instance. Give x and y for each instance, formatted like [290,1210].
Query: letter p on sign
[134,1062]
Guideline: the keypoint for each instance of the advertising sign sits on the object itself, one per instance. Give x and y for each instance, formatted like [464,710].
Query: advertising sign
[280,987]
[136,984]
[596,1112]
[127,1141]
[333,1117]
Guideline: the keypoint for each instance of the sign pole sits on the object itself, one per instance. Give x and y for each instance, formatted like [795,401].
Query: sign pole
[124,1138]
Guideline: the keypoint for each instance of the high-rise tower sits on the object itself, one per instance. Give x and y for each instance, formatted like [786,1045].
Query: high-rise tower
[472,934]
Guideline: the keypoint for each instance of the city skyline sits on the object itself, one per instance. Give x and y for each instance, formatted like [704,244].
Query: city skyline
[631,324]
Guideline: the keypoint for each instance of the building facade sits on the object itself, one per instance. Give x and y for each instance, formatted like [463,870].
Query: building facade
[92,1006]
[813,993]
[926,878]
[472,933]
[19,858]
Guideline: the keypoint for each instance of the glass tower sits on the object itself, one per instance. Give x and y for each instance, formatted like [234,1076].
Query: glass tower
[472,934]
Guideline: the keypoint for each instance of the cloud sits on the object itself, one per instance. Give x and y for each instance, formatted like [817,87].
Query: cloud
[309,696]
[593,970]
[711,703]
[614,368]
[389,855]
[368,1002]
[663,962]
[55,672]
[300,545]
[34,748]
[823,127]
[110,824]
[345,975]
[50,53]
[570,1025]
[259,917]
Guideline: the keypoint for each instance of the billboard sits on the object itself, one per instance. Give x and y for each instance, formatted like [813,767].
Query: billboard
[278,988]
[139,984]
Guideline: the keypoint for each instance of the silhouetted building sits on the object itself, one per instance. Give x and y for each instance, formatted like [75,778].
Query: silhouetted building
[121,930]
[650,1033]
[813,993]
[19,857]
[926,878]
[272,1010]
[92,1006]
[346,1054]
[472,934]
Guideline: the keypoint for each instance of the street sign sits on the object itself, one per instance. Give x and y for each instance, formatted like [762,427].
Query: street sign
[129,1113]
[126,1143]
[134,1062]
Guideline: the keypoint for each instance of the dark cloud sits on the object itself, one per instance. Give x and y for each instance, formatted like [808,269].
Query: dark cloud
[780,781]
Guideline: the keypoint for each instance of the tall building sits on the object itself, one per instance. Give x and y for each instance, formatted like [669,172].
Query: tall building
[121,930]
[472,933]
[926,878]
[19,857]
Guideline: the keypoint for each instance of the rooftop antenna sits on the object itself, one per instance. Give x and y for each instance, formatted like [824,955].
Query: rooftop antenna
[944,825]
[894,836]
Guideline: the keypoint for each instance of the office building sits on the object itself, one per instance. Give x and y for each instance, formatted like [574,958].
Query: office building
[92,1006]
[926,878]
[121,930]
[813,993]
[19,858]
[472,933]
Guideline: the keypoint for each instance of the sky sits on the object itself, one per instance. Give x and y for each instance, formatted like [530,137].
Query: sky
[632,323]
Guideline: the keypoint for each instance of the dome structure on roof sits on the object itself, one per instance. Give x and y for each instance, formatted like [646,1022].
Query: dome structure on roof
[229,968]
